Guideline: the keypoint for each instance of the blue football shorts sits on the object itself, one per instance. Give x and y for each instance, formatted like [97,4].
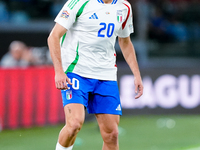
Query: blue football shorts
[98,96]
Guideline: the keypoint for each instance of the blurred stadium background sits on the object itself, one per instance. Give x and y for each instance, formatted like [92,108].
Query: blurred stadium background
[166,117]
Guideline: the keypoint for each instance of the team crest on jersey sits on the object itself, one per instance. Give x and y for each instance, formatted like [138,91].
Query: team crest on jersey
[65,14]
[119,16]
[69,94]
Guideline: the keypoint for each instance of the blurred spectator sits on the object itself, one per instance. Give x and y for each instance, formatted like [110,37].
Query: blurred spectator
[3,12]
[19,17]
[174,20]
[177,29]
[157,27]
[20,55]
[25,9]
[56,6]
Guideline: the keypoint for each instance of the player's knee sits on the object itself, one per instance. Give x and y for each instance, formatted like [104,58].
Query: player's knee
[111,137]
[114,136]
[74,126]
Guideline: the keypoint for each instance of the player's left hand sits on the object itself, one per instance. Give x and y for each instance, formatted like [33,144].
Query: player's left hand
[138,87]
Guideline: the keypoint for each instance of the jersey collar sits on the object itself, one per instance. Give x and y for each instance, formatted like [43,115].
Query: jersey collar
[113,2]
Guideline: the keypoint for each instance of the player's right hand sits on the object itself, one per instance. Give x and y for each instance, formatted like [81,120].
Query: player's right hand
[61,80]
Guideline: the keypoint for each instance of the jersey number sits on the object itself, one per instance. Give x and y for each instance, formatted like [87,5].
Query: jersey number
[110,29]
[75,83]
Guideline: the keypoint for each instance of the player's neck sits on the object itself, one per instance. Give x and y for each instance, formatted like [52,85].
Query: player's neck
[107,1]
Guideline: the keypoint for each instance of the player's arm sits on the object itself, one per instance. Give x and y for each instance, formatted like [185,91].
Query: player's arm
[61,79]
[130,57]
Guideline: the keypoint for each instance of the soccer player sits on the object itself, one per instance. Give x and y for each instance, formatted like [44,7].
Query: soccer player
[82,49]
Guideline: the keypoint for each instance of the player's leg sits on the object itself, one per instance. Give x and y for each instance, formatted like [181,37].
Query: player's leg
[74,102]
[74,116]
[108,125]
[105,104]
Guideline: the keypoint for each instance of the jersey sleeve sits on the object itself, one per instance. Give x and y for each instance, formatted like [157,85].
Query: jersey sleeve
[67,15]
[127,25]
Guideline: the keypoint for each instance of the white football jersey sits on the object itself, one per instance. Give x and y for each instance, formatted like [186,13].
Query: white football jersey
[87,48]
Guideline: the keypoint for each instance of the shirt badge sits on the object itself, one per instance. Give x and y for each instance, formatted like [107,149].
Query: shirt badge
[65,14]
[69,94]
[119,16]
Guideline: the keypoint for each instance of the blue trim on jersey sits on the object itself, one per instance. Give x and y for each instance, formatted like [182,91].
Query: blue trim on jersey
[100,1]
[113,2]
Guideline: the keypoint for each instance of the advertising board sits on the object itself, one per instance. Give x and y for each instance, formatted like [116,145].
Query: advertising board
[172,90]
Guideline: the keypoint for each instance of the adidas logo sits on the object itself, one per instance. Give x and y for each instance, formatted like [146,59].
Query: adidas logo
[94,16]
[118,108]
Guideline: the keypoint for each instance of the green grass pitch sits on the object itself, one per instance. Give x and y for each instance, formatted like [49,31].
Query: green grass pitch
[174,132]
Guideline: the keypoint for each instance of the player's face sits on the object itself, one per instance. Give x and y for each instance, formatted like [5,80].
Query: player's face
[17,54]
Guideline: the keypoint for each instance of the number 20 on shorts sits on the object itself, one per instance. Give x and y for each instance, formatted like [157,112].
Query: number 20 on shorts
[75,83]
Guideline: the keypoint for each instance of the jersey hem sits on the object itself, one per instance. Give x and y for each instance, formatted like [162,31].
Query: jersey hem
[111,78]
